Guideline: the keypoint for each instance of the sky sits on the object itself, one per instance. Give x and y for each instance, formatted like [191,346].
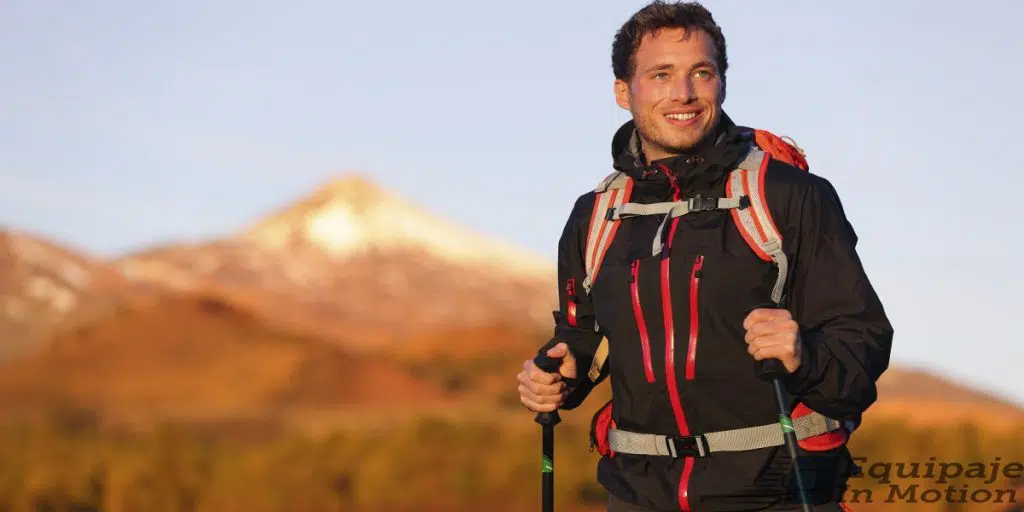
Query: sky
[125,124]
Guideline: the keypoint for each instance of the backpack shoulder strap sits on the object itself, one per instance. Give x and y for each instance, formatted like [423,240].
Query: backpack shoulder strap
[755,221]
[612,192]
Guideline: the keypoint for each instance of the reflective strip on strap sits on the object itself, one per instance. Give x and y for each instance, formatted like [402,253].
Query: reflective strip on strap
[612,192]
[742,439]
[756,221]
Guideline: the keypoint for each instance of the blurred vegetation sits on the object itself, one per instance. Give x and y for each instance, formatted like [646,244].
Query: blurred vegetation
[71,462]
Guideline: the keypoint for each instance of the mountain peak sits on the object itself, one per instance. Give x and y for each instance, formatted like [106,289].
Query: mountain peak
[353,214]
[355,188]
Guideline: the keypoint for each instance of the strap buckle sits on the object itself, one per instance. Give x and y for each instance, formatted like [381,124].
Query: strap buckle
[699,204]
[686,446]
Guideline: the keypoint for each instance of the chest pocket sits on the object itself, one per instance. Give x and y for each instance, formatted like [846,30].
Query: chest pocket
[732,280]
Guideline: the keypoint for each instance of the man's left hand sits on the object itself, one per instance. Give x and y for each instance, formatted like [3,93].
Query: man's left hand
[773,334]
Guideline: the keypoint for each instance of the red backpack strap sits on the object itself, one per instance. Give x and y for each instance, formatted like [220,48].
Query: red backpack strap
[755,221]
[613,192]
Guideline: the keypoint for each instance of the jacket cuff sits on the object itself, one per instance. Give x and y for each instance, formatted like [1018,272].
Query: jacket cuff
[810,371]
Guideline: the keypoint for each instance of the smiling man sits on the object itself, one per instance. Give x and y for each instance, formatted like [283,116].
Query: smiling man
[710,250]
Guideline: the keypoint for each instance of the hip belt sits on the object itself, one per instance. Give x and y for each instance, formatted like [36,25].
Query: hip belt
[741,439]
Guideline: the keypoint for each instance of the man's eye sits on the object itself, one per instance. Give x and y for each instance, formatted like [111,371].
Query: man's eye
[661,76]
[703,73]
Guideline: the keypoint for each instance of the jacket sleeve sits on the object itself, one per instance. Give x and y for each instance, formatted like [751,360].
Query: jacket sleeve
[574,320]
[846,335]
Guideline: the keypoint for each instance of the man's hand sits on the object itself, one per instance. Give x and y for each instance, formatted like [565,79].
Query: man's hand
[545,392]
[772,334]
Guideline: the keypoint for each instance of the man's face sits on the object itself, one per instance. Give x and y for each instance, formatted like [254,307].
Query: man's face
[676,93]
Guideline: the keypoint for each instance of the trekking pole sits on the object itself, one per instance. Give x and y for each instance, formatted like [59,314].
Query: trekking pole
[548,420]
[773,370]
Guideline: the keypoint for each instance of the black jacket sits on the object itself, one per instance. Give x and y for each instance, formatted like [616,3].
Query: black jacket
[846,334]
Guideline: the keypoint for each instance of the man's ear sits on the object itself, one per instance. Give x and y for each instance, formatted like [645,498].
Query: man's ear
[622,94]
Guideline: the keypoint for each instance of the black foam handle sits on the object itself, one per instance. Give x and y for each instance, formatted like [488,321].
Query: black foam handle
[770,369]
[547,364]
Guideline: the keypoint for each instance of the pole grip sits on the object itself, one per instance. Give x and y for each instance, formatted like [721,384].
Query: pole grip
[547,364]
[770,369]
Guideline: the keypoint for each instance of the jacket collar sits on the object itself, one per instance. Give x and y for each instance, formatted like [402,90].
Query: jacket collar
[730,144]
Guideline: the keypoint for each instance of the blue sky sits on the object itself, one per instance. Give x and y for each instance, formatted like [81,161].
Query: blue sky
[124,124]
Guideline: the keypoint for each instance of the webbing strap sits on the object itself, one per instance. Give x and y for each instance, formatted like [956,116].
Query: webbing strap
[681,208]
[674,208]
[755,223]
[612,192]
[752,438]
[742,439]
[600,355]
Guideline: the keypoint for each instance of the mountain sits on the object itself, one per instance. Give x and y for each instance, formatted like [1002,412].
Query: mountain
[44,286]
[352,215]
[365,267]
[920,397]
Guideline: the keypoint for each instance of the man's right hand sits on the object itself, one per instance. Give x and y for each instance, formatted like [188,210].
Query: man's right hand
[544,392]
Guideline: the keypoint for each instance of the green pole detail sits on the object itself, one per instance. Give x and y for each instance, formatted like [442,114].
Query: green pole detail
[787,424]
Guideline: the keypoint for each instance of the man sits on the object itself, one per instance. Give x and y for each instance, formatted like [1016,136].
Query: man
[686,325]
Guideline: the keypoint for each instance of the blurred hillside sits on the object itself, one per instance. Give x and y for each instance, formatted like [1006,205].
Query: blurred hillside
[344,348]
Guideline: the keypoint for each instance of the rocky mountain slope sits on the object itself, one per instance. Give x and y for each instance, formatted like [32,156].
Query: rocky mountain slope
[44,286]
[362,266]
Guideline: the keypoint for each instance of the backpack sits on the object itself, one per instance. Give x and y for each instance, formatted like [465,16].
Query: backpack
[746,201]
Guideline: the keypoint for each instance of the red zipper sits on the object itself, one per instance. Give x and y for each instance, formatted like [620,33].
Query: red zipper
[570,291]
[645,341]
[691,356]
[683,490]
[666,311]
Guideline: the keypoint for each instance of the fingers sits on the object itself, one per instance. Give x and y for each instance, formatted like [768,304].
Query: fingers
[540,391]
[770,328]
[540,383]
[537,375]
[772,347]
[542,402]
[760,315]
[558,351]
[541,407]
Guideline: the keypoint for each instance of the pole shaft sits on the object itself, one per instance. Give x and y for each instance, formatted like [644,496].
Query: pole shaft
[548,475]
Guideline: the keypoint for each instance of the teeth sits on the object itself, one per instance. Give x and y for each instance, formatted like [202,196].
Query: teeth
[682,117]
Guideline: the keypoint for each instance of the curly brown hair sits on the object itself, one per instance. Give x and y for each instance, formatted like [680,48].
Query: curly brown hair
[658,15]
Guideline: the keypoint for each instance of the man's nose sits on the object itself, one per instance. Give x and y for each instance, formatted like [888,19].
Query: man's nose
[683,90]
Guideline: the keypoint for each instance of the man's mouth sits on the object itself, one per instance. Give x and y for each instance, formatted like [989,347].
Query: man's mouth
[682,118]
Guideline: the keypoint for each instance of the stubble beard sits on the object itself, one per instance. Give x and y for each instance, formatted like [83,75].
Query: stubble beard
[656,141]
